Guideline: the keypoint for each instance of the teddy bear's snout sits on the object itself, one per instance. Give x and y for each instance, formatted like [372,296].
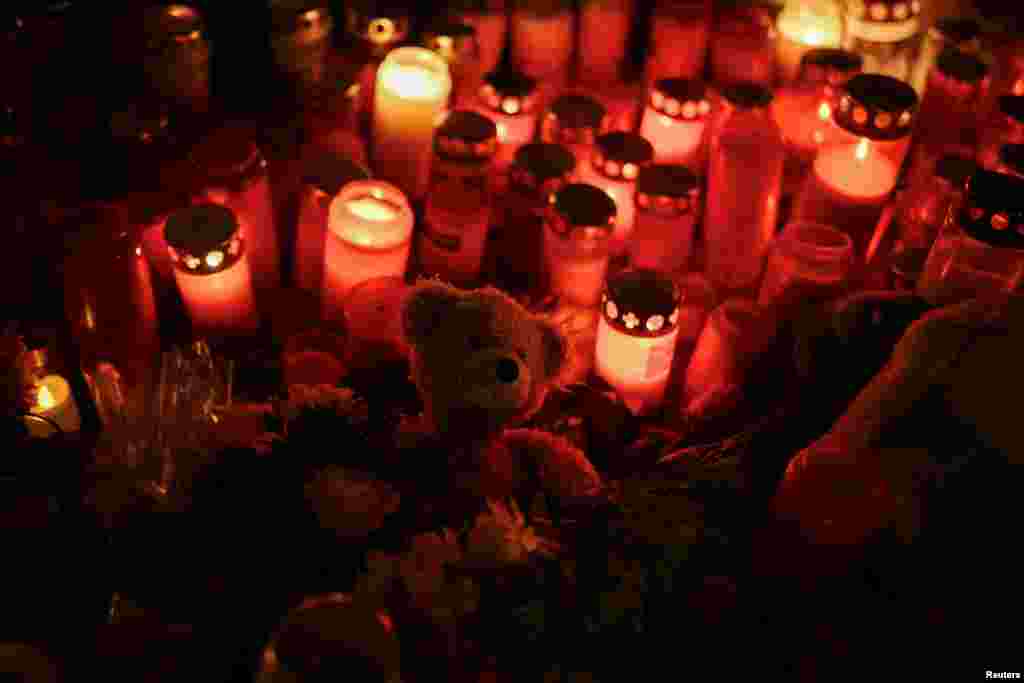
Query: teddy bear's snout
[507,370]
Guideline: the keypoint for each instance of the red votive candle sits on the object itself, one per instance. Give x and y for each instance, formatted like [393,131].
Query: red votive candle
[743,46]
[578,227]
[490,19]
[576,121]
[614,166]
[300,41]
[543,34]
[674,121]
[667,207]
[457,43]
[603,34]
[805,25]
[509,98]
[678,39]
[374,29]
[807,262]
[886,33]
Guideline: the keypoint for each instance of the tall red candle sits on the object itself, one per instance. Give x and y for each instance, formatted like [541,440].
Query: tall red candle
[678,39]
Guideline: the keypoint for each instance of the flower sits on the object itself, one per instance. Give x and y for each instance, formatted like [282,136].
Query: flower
[500,536]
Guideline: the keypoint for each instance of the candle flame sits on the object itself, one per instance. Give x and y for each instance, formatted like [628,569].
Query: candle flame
[511,106]
[863,147]
[1018,87]
[502,132]
[214,258]
[44,398]
[372,209]
[824,111]
[412,82]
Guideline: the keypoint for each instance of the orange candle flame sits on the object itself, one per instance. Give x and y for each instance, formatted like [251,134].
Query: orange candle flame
[44,398]
[863,148]
[824,111]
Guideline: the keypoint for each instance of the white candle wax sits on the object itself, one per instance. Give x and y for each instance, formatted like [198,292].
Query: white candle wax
[55,401]
[368,236]
[803,26]
[638,367]
[222,301]
[854,172]
[412,90]
[675,141]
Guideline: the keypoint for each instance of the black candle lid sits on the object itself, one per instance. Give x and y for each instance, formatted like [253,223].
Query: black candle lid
[509,91]
[329,172]
[746,95]
[198,232]
[994,209]
[671,189]
[621,155]
[877,107]
[830,65]
[300,16]
[579,205]
[382,24]
[641,302]
[542,167]
[961,66]
[453,40]
[1012,106]
[574,119]
[956,30]
[466,136]
[680,98]
[955,169]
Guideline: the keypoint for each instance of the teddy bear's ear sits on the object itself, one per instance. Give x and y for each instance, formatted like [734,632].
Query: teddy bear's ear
[426,306]
[556,350]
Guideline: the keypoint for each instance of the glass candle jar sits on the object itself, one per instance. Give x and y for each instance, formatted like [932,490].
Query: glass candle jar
[807,262]
[369,233]
[513,261]
[331,636]
[324,175]
[458,208]
[805,25]
[678,39]
[960,33]
[636,336]
[177,56]
[674,121]
[615,163]
[1005,127]
[331,117]
[923,208]
[457,43]
[604,30]
[413,88]
[804,110]
[744,184]
[490,19]
[743,46]
[542,38]
[211,268]
[667,207]
[851,180]
[300,41]
[577,231]
[509,98]
[233,173]
[576,121]
[981,252]
[886,33]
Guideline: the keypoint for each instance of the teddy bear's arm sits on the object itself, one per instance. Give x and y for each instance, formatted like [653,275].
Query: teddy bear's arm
[562,469]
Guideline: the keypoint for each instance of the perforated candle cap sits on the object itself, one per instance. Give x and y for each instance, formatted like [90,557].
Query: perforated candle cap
[994,210]
[621,155]
[542,168]
[466,136]
[453,40]
[329,172]
[680,98]
[579,205]
[200,229]
[961,66]
[884,11]
[1012,106]
[641,302]
[877,107]
[746,95]
[574,119]
[671,189]
[509,92]
[955,169]
[830,65]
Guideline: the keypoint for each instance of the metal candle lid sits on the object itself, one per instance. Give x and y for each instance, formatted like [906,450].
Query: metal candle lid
[509,92]
[641,302]
[330,172]
[960,67]
[994,209]
[883,21]
[621,155]
[830,66]
[455,41]
[877,107]
[174,24]
[466,136]
[581,206]
[381,24]
[309,18]
[747,95]
[542,168]
[574,119]
[680,98]
[667,189]
[1012,107]
[203,239]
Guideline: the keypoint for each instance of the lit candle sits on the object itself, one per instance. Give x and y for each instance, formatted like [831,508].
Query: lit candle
[458,208]
[457,43]
[325,175]
[413,86]
[804,25]
[578,225]
[678,39]
[369,233]
[636,336]
[55,401]
[542,40]
[851,181]
[212,269]
[884,33]
[574,120]
[614,166]
[509,99]
[667,206]
[808,261]
[603,34]
[674,121]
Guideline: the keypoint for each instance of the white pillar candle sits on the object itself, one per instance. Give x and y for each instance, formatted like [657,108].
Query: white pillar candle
[674,121]
[54,401]
[577,233]
[614,166]
[636,336]
[802,26]
[412,90]
[369,231]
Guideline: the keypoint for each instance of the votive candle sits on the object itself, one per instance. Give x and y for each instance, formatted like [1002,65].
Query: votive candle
[578,226]
[667,207]
[674,121]
[54,401]
[509,98]
[804,25]
[678,39]
[807,261]
[603,34]
[614,166]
